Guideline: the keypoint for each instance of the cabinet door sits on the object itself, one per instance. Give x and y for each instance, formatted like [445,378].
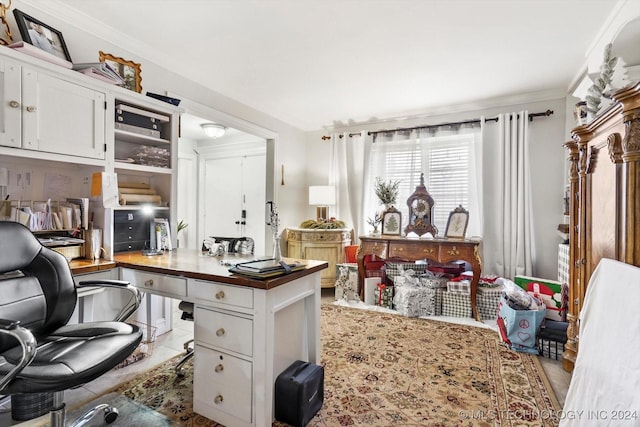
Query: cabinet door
[62,117]
[10,94]
[333,254]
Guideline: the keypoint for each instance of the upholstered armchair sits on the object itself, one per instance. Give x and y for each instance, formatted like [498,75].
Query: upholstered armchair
[40,352]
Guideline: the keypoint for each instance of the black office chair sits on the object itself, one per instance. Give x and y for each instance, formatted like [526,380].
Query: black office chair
[39,352]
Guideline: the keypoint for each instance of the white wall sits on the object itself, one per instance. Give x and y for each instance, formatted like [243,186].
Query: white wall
[290,147]
[547,157]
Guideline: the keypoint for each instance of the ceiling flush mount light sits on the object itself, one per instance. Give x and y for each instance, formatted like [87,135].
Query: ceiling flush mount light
[213,130]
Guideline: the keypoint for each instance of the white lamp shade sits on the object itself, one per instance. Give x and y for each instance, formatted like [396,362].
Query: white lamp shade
[322,195]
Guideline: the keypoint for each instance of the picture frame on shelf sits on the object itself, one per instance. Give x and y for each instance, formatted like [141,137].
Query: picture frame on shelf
[392,222]
[41,35]
[457,223]
[130,71]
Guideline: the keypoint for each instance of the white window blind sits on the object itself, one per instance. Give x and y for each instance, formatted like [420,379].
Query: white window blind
[447,164]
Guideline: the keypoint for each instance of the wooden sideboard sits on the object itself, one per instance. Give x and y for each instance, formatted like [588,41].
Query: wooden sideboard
[604,207]
[319,244]
[439,250]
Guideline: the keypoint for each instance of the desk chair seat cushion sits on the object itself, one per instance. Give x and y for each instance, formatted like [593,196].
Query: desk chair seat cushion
[71,356]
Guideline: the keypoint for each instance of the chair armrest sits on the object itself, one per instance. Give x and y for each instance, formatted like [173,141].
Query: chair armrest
[130,307]
[27,342]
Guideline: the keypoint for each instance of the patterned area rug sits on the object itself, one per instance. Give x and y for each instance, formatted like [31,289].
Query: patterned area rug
[385,369]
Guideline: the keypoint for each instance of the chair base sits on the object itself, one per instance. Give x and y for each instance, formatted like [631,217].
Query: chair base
[58,415]
[188,355]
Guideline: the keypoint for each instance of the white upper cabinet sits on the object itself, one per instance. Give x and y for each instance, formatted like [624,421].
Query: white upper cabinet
[10,115]
[45,113]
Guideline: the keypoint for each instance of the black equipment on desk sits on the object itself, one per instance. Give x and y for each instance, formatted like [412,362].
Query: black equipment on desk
[131,229]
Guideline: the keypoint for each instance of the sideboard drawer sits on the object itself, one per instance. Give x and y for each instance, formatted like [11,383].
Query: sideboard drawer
[226,331]
[221,294]
[156,283]
[222,382]
[412,252]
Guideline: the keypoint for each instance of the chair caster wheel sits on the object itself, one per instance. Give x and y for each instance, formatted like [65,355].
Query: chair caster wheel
[110,414]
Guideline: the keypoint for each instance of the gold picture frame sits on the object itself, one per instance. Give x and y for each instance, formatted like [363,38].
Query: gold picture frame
[457,223]
[130,71]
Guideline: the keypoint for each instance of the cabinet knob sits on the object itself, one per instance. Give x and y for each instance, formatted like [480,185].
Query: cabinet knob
[220,332]
[149,282]
[220,295]
[14,104]
[219,368]
[31,108]
[218,399]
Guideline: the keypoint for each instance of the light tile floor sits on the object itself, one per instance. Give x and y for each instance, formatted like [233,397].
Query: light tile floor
[170,344]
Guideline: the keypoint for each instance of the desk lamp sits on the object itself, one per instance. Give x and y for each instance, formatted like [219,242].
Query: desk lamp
[322,196]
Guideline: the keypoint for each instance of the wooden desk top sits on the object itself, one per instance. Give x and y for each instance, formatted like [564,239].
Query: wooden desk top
[80,265]
[197,265]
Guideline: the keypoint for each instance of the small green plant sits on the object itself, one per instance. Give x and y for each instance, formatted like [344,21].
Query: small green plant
[387,191]
[182,225]
[375,221]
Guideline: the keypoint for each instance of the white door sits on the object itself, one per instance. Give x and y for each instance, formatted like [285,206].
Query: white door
[233,185]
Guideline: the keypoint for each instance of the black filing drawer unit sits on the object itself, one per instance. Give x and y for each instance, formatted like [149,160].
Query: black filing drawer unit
[132,228]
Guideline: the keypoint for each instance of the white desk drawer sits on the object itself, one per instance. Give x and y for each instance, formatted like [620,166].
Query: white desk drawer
[222,294]
[223,382]
[156,283]
[225,331]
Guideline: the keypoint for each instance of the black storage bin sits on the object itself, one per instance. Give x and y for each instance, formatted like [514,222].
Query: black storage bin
[299,393]
[30,405]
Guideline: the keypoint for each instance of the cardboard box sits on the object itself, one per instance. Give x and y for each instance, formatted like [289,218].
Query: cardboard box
[549,290]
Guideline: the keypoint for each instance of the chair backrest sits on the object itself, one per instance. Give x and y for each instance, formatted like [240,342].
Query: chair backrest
[241,245]
[36,285]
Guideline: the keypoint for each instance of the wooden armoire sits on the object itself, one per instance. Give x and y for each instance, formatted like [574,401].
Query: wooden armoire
[604,207]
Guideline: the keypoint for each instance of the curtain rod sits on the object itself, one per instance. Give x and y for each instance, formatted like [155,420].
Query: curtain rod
[465,122]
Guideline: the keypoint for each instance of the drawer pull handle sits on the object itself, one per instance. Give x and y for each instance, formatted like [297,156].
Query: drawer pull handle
[149,282]
[453,251]
[220,332]
[219,368]
[14,104]
[31,108]
[218,399]
[220,295]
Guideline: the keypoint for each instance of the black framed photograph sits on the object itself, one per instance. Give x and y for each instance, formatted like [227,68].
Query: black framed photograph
[41,35]
[457,223]
[130,71]
[391,222]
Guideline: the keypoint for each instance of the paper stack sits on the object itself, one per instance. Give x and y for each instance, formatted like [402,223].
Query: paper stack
[136,193]
[101,71]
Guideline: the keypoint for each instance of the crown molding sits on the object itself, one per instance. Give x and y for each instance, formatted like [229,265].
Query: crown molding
[97,28]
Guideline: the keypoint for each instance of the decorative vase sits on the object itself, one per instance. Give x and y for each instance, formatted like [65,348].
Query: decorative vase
[277,255]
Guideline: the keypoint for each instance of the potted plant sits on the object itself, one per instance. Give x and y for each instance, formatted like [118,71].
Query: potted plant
[181,226]
[387,191]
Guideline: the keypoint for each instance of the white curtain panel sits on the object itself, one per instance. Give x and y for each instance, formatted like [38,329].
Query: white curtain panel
[349,155]
[507,238]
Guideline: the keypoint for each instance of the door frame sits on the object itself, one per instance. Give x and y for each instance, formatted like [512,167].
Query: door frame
[271,137]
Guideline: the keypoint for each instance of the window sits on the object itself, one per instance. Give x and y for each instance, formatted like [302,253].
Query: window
[448,164]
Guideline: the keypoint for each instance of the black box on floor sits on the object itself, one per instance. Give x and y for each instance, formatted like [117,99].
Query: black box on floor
[299,393]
